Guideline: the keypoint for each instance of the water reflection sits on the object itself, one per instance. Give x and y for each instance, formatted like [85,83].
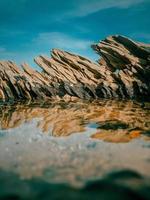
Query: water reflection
[112,121]
[74,142]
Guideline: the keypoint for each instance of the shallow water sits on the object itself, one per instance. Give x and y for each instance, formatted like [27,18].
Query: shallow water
[74,143]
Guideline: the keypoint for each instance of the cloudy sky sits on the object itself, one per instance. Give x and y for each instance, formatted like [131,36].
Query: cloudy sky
[32,27]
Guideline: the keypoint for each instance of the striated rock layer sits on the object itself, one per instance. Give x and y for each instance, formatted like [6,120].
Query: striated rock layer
[123,71]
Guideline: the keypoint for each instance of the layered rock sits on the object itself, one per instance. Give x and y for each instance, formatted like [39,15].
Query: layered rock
[129,63]
[122,72]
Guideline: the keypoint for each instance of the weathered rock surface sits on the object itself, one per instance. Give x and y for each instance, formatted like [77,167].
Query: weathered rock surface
[129,63]
[122,72]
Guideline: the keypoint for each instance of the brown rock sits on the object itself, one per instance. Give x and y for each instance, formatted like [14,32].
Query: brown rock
[122,72]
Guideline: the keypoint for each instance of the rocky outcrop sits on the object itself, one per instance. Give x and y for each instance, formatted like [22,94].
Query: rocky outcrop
[129,63]
[123,71]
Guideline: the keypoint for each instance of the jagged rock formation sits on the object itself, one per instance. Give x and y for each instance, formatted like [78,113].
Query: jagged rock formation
[129,66]
[122,72]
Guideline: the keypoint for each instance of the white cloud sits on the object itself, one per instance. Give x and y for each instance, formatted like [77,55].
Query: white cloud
[85,8]
[61,40]
[49,40]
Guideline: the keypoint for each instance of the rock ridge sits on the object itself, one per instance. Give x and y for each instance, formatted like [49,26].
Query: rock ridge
[123,71]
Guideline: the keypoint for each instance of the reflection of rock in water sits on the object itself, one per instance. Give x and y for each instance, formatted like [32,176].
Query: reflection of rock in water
[115,121]
[117,136]
[78,158]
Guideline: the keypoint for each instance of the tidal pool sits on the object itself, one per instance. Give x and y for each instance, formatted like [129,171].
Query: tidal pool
[73,144]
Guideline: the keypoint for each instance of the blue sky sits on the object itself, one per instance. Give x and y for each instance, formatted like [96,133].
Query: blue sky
[32,27]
